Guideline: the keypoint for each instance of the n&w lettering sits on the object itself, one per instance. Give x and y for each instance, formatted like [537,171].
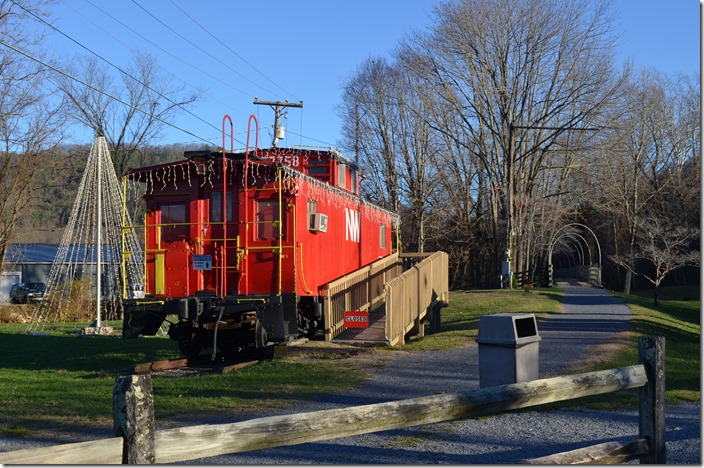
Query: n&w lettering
[352,225]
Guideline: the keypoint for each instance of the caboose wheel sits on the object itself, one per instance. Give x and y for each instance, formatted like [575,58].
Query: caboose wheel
[265,350]
[311,328]
[191,349]
[189,343]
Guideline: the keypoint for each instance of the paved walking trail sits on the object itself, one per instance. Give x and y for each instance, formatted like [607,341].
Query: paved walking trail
[591,318]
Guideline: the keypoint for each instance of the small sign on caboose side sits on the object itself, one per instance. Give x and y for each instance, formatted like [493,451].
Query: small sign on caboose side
[202,262]
[356,319]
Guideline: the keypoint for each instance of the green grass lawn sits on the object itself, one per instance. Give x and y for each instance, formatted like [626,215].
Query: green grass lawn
[678,319]
[460,320]
[60,380]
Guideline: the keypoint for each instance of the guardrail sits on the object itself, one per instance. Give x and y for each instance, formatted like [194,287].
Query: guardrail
[589,273]
[140,443]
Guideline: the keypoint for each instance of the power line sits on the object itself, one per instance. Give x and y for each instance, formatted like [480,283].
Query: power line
[138,80]
[200,48]
[309,138]
[204,51]
[215,58]
[104,93]
[166,51]
[230,49]
[116,67]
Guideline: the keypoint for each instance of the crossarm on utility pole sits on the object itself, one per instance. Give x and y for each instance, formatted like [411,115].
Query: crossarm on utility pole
[277,106]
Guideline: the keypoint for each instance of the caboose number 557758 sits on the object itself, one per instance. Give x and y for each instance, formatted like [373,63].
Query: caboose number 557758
[237,245]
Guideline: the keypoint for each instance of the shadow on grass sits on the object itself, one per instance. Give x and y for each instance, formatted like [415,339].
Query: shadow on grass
[87,353]
[460,325]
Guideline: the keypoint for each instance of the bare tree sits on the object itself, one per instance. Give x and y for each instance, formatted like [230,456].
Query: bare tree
[30,116]
[661,247]
[649,164]
[368,131]
[385,129]
[518,76]
[132,106]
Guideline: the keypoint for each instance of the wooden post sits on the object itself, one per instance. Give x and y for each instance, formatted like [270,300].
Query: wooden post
[133,413]
[651,353]
[435,317]
[419,325]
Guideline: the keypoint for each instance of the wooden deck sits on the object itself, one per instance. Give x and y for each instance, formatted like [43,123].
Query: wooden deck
[374,335]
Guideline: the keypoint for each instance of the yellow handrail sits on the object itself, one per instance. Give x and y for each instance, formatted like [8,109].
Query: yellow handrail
[281,229]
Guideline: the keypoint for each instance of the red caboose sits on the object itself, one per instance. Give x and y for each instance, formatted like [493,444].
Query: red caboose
[293,222]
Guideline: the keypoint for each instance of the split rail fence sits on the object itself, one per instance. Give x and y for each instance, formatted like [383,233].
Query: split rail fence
[139,443]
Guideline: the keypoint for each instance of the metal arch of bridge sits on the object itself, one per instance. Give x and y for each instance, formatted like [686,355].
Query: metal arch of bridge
[554,240]
[571,236]
[578,249]
[570,242]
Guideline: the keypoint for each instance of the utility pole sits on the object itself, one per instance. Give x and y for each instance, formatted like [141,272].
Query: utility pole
[277,106]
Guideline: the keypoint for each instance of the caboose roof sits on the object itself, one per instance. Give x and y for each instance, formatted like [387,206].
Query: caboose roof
[207,154]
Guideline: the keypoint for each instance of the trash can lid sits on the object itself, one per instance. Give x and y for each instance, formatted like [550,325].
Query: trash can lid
[508,329]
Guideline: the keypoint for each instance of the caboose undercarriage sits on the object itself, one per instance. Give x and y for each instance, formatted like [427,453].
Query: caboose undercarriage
[225,325]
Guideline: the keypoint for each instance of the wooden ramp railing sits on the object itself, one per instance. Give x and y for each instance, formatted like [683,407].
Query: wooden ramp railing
[421,289]
[360,290]
[409,295]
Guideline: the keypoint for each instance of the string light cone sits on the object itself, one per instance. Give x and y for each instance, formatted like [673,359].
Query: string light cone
[88,276]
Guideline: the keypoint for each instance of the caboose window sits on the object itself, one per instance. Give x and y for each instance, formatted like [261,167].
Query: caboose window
[173,222]
[318,170]
[342,176]
[382,236]
[216,207]
[354,178]
[268,220]
[312,206]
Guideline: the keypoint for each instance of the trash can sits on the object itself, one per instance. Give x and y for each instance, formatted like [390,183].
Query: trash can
[509,347]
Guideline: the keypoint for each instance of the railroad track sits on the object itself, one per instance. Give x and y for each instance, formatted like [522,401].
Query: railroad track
[183,365]
[200,366]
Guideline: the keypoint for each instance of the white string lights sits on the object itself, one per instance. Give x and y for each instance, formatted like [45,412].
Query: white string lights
[87,269]
[261,172]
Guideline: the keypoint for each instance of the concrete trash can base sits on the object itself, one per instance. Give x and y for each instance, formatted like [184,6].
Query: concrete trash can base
[509,349]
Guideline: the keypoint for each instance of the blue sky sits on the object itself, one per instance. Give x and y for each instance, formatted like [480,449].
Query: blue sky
[305,50]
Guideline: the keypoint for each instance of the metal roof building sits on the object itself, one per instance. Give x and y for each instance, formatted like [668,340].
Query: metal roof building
[32,263]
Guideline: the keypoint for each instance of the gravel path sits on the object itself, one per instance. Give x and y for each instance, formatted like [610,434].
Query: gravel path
[591,319]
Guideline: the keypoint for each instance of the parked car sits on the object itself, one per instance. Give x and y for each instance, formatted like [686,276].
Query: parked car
[24,293]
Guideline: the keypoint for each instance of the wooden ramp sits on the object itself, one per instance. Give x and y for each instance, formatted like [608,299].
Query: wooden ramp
[374,335]
[411,290]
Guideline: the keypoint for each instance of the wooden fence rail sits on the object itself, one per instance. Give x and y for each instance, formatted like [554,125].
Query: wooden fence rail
[189,443]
